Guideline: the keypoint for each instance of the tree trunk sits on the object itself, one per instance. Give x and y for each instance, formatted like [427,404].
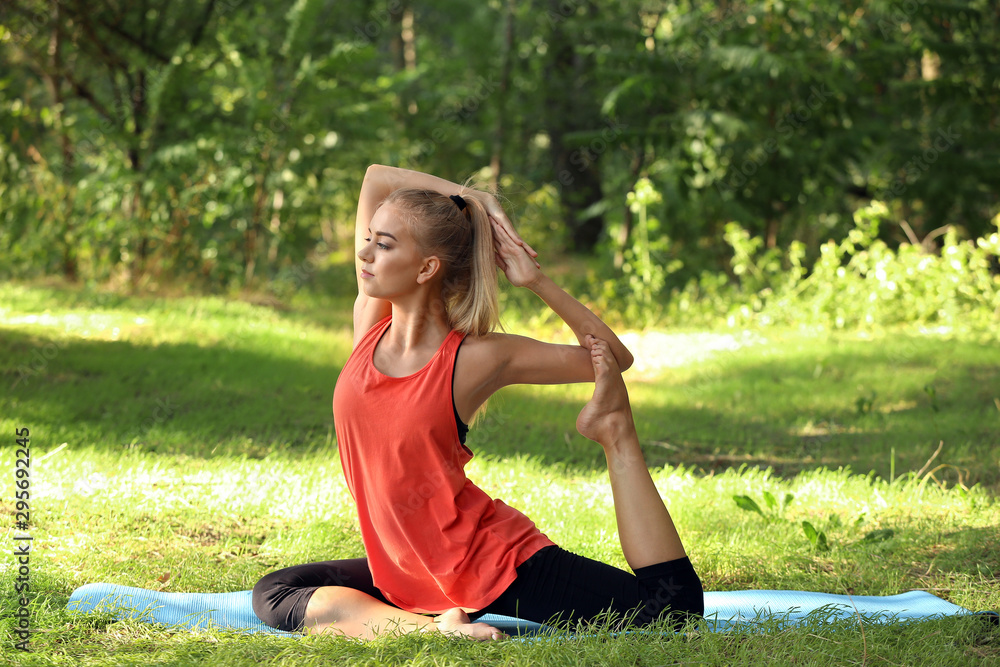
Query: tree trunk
[53,81]
[277,202]
[403,48]
[638,160]
[250,235]
[496,160]
[136,94]
[571,110]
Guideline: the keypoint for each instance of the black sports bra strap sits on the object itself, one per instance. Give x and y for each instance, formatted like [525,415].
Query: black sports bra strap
[463,429]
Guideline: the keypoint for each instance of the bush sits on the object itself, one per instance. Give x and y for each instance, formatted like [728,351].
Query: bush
[858,283]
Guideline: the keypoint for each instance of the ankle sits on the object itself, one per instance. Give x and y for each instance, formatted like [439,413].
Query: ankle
[621,435]
[624,457]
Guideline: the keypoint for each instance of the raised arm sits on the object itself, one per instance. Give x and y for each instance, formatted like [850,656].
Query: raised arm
[380,181]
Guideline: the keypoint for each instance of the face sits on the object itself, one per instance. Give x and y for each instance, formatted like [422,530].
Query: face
[391,262]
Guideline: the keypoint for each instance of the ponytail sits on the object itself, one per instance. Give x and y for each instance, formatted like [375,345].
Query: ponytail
[463,240]
[477,310]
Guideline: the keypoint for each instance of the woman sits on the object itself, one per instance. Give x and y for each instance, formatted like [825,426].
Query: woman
[425,360]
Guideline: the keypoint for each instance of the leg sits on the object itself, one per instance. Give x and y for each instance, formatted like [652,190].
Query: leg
[557,584]
[340,597]
[554,582]
[281,598]
[645,528]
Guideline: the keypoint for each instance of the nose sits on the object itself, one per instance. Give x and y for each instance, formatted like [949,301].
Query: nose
[365,254]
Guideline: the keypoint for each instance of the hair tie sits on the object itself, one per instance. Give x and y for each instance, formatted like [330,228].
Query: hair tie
[458,202]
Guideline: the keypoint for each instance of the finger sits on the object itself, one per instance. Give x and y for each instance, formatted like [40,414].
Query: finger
[512,234]
[501,252]
[507,240]
[500,216]
[504,224]
[509,228]
[531,251]
[501,245]
[510,239]
[503,238]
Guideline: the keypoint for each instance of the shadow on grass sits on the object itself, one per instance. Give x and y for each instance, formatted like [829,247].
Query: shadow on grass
[168,398]
[835,403]
[832,403]
[960,552]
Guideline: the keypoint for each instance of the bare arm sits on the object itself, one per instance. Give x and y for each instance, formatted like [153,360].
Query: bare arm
[380,181]
[528,361]
[580,319]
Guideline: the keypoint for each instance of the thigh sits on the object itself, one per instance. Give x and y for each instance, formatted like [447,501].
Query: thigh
[557,584]
[280,598]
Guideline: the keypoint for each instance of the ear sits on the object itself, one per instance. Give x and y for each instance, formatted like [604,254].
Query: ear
[430,268]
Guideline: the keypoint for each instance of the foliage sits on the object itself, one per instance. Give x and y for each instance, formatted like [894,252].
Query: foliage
[222,143]
[816,537]
[646,263]
[858,283]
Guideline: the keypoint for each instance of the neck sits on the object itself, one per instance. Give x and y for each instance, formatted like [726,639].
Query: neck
[417,322]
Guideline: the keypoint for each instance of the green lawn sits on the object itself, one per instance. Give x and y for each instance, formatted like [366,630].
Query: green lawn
[199,455]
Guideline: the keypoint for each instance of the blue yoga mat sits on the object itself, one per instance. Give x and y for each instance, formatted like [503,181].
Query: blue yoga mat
[723,610]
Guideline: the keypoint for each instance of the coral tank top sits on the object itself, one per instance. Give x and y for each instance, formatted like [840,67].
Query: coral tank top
[434,540]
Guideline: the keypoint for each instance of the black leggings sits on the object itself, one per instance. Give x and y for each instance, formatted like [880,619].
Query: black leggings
[552,584]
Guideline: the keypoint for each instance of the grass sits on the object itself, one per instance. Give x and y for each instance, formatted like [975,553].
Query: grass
[199,455]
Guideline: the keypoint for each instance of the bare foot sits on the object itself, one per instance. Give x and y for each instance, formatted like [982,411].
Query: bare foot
[607,417]
[456,623]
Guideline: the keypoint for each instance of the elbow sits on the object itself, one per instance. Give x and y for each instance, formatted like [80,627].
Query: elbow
[376,184]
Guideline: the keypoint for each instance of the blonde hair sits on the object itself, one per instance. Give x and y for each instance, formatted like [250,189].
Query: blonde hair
[463,241]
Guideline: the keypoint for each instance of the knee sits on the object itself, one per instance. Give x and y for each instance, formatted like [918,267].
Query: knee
[678,598]
[689,605]
[677,608]
[264,599]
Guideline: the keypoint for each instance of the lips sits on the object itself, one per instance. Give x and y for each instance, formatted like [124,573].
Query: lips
[365,274]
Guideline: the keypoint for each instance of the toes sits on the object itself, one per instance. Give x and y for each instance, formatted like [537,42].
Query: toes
[488,633]
[596,343]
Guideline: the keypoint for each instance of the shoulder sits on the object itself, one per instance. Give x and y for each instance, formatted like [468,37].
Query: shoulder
[491,345]
[478,373]
[480,349]
[481,358]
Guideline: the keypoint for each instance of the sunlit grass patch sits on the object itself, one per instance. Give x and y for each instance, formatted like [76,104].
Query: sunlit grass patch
[196,453]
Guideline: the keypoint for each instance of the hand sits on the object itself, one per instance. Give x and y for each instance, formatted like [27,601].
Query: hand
[456,623]
[497,215]
[514,259]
